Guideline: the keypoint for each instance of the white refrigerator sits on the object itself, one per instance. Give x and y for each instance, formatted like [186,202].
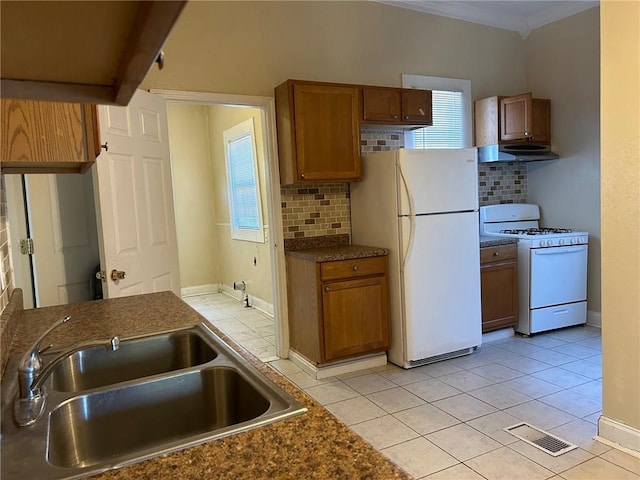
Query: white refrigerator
[422,205]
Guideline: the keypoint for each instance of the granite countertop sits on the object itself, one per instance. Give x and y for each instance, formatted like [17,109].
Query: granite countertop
[314,445]
[337,252]
[490,241]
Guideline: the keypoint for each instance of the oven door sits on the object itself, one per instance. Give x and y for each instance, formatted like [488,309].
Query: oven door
[558,275]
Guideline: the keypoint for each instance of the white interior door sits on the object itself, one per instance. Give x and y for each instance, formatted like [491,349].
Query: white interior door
[136,221]
[63,228]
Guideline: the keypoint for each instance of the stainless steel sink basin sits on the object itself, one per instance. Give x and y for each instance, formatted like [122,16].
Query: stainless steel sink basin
[135,358]
[90,429]
[86,428]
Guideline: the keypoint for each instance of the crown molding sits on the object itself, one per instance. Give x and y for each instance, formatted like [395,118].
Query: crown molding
[476,12]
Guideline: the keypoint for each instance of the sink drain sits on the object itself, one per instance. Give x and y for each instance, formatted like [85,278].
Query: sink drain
[540,439]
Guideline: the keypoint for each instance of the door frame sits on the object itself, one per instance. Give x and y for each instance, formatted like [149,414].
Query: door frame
[19,219]
[274,212]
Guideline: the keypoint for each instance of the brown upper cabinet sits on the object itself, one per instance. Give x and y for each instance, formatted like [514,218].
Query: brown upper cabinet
[318,132]
[86,52]
[48,137]
[396,106]
[516,119]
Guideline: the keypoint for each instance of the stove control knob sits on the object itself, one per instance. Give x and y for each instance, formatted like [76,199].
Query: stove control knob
[561,241]
[549,243]
[583,239]
[574,241]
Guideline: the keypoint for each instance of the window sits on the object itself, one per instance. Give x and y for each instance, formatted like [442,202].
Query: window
[245,211]
[451,113]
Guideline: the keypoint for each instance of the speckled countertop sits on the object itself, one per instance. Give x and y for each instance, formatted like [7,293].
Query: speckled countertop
[490,241]
[314,445]
[337,252]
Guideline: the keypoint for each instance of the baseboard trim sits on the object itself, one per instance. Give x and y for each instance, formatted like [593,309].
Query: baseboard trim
[594,319]
[497,335]
[619,435]
[255,302]
[338,368]
[199,290]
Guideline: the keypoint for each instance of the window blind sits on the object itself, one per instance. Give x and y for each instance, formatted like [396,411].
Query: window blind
[244,191]
[447,129]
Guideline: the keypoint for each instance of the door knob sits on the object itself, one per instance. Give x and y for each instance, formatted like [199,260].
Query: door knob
[118,275]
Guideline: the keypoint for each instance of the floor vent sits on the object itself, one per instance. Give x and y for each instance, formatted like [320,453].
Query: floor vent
[540,439]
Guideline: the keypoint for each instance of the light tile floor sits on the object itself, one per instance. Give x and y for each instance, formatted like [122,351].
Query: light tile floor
[445,420]
[251,328]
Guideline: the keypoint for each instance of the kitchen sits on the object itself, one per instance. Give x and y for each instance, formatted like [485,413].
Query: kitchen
[573,182]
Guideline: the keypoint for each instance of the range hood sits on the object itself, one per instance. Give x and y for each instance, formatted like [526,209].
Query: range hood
[515,153]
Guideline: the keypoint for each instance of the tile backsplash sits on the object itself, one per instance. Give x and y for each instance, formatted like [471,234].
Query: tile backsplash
[315,210]
[6,281]
[502,183]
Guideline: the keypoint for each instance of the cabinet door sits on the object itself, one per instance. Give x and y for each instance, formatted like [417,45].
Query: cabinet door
[498,284]
[516,117]
[327,132]
[356,317]
[47,137]
[381,104]
[416,107]
[541,120]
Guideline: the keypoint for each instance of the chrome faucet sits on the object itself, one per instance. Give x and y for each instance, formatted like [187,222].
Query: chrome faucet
[31,400]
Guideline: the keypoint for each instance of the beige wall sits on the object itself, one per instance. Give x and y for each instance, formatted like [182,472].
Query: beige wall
[250,47]
[236,256]
[563,64]
[620,107]
[207,253]
[194,199]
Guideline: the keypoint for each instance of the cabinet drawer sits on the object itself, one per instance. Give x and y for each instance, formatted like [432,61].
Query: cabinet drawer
[357,267]
[498,253]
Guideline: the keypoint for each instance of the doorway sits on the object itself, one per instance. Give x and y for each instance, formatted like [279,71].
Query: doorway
[228,280]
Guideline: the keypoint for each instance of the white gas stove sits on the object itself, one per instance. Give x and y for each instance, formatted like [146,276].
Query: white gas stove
[552,267]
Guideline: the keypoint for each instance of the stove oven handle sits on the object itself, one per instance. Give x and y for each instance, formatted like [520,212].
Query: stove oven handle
[407,251]
[559,251]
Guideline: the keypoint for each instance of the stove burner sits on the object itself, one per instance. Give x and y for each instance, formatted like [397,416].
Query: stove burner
[536,231]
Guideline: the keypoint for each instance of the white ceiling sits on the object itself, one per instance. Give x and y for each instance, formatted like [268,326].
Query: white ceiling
[521,16]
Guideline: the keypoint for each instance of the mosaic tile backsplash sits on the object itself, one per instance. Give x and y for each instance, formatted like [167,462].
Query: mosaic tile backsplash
[6,284]
[502,183]
[315,210]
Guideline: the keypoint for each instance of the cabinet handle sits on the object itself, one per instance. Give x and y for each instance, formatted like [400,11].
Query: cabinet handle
[526,134]
[355,268]
[326,289]
[302,175]
[496,254]
[406,117]
[105,145]
[395,117]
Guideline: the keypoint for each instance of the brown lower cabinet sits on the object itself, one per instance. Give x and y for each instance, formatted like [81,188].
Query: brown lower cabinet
[499,286]
[337,309]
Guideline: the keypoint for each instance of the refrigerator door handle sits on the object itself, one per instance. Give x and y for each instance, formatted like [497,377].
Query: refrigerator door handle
[411,219]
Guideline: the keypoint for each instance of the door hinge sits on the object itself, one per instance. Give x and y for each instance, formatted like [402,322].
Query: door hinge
[26,246]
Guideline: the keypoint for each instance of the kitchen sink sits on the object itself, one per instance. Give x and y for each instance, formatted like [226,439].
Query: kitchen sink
[97,366]
[197,389]
[90,429]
